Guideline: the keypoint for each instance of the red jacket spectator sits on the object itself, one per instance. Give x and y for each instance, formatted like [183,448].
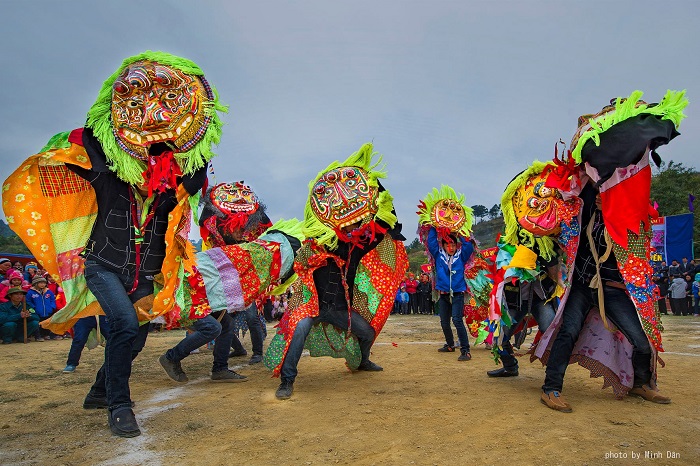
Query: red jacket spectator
[411,284]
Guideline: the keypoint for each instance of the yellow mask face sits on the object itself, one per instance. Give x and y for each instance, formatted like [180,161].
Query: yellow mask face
[233,198]
[537,207]
[448,213]
[343,197]
[154,103]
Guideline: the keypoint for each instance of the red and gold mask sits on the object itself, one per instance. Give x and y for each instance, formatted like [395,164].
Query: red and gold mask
[343,197]
[154,103]
[539,209]
[232,198]
[448,213]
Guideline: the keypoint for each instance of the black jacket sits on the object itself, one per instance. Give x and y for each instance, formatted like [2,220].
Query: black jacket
[112,241]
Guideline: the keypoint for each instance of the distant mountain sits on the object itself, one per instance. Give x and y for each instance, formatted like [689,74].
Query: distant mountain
[10,242]
[5,230]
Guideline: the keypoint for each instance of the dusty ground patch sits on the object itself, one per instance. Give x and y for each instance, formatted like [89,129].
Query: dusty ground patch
[425,408]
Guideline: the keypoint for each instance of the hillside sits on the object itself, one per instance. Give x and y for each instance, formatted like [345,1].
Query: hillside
[486,232]
[10,242]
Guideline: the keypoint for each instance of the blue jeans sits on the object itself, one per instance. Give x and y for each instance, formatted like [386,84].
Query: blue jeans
[81,332]
[620,310]
[206,330]
[453,309]
[360,328]
[126,338]
[255,329]
[544,315]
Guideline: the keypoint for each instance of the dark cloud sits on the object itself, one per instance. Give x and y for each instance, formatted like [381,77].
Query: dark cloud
[461,93]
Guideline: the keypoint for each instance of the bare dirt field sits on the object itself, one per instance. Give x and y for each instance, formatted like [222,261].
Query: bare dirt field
[425,408]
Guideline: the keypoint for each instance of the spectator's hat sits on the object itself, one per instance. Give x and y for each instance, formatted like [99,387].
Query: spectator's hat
[38,279]
[15,289]
[13,273]
[4,259]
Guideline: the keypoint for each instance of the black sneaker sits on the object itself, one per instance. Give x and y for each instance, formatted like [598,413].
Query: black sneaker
[173,369]
[369,366]
[122,423]
[285,390]
[257,358]
[465,356]
[503,372]
[227,375]
[446,349]
[235,354]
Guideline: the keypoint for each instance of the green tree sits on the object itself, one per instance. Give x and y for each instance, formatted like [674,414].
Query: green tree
[13,244]
[480,211]
[670,187]
[414,246]
[495,211]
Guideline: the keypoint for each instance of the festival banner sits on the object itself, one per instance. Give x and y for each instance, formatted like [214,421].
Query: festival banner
[672,238]
[679,237]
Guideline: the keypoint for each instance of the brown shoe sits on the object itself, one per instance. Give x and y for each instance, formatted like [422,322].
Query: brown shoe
[650,394]
[556,401]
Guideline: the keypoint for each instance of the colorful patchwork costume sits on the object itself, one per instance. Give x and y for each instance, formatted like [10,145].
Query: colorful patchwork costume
[349,269]
[108,206]
[527,271]
[232,213]
[229,277]
[611,269]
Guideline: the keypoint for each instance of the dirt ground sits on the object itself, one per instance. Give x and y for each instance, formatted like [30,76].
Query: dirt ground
[425,408]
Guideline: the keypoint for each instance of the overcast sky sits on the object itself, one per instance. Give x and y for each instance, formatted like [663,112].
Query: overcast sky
[465,93]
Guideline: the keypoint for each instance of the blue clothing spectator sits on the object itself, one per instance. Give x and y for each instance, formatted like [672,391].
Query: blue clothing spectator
[449,268]
[696,295]
[30,271]
[43,301]
[450,256]
[403,298]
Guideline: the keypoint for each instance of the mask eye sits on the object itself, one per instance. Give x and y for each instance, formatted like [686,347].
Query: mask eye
[170,95]
[133,104]
[332,177]
[320,189]
[533,203]
[350,173]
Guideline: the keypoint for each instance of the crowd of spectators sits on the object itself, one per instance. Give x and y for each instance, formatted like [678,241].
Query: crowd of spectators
[28,296]
[679,287]
[414,296]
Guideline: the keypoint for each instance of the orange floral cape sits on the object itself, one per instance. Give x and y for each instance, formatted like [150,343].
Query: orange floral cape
[53,211]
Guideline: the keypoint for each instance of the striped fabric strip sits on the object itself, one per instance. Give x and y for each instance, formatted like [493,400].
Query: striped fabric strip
[230,281]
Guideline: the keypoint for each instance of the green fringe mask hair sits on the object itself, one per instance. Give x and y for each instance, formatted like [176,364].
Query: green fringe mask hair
[128,168]
[515,234]
[670,108]
[445,192]
[324,235]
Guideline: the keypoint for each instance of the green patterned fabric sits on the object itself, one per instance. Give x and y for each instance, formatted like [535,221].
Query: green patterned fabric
[326,340]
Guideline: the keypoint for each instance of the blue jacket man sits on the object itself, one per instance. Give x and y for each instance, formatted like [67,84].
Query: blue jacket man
[450,256]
